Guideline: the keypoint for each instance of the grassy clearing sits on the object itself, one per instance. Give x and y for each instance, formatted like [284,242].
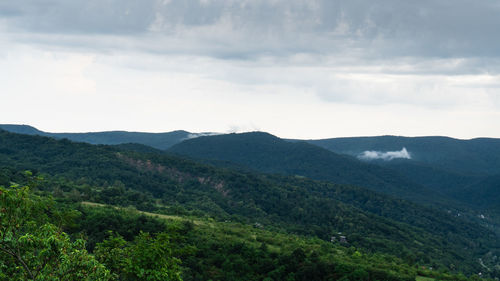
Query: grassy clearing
[161,216]
[238,232]
[420,278]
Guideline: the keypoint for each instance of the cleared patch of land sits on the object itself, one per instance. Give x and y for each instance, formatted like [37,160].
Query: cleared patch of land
[420,278]
[168,217]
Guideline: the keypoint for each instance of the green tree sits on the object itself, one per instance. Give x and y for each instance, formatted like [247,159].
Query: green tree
[145,258]
[31,248]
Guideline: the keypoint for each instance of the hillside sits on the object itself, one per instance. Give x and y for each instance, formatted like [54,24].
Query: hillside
[485,193]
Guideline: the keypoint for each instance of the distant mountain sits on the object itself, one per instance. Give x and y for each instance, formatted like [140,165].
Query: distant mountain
[465,170]
[480,156]
[160,141]
[267,153]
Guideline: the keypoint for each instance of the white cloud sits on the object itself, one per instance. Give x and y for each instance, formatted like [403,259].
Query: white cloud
[386,156]
[197,135]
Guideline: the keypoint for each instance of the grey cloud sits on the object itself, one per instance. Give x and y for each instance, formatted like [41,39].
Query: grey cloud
[93,16]
[442,28]
[7,11]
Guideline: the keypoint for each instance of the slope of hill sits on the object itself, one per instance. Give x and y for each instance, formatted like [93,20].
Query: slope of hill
[485,193]
[267,153]
[160,141]
[476,156]
[465,170]
[370,221]
[444,181]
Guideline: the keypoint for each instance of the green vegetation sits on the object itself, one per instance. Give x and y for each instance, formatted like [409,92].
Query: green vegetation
[209,209]
[465,171]
[34,249]
[175,249]
[266,153]
[421,278]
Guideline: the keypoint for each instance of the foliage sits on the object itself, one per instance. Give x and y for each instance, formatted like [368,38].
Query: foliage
[94,222]
[33,249]
[146,258]
[209,249]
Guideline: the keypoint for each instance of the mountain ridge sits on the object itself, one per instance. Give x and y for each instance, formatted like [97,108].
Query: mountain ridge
[267,153]
[160,141]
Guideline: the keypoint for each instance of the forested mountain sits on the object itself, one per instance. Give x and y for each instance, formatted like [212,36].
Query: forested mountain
[156,140]
[157,182]
[476,156]
[447,168]
[465,170]
[267,153]
[419,181]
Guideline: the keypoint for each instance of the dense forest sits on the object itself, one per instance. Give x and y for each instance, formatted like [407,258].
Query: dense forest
[223,223]
[64,239]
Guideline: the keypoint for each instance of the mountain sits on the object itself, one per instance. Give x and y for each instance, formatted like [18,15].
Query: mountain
[159,182]
[466,193]
[437,165]
[465,170]
[160,141]
[480,156]
[267,153]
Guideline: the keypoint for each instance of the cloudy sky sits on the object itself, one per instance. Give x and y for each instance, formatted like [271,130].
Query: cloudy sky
[295,68]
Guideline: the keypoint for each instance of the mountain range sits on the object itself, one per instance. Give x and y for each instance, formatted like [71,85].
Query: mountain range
[431,169]
[156,140]
[415,206]
[370,220]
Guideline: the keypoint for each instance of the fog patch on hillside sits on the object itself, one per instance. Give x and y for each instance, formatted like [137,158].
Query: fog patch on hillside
[386,156]
[197,135]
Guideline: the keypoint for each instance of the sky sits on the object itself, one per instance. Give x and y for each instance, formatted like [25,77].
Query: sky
[294,68]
